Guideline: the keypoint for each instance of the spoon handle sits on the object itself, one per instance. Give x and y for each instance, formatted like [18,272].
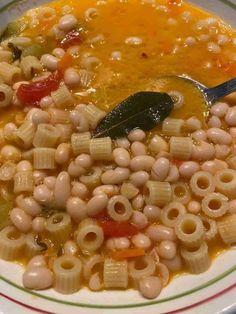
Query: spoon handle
[221,90]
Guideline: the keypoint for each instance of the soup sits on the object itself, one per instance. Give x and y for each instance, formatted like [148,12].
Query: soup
[114,213]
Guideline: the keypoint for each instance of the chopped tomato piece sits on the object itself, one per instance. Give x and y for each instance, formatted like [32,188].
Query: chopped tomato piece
[65,62]
[31,94]
[117,229]
[127,253]
[72,38]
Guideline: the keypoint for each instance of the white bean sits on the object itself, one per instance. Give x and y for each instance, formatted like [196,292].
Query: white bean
[138,202]
[67,22]
[219,109]
[219,136]
[97,204]
[158,144]
[139,178]
[194,207]
[150,287]
[29,205]
[38,278]
[49,61]
[20,219]
[76,208]
[50,182]
[152,212]
[199,135]
[160,169]
[138,149]
[38,224]
[174,264]
[70,248]
[39,176]
[123,142]
[222,151]
[71,77]
[9,152]
[232,132]
[230,117]
[42,194]
[167,249]
[173,174]
[188,168]
[193,124]
[46,102]
[40,116]
[116,176]
[121,243]
[140,240]
[58,52]
[159,233]
[214,122]
[203,151]
[24,165]
[142,163]
[62,154]
[213,166]
[84,161]
[95,282]
[121,157]
[136,135]
[37,261]
[75,170]
[79,189]
[139,219]
[62,189]
[108,189]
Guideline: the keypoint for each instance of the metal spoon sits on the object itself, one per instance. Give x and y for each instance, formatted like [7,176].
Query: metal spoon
[147,109]
[212,94]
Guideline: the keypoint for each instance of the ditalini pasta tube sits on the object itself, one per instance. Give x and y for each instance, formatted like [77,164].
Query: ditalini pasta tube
[46,136]
[23,182]
[115,273]
[44,158]
[12,243]
[80,143]
[59,226]
[225,181]
[62,97]
[172,126]
[189,230]
[227,229]
[89,235]
[25,133]
[67,271]
[101,148]
[157,193]
[181,147]
[197,259]
[93,114]
[141,267]
[30,65]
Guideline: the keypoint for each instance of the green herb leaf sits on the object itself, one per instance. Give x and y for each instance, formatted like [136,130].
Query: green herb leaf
[142,110]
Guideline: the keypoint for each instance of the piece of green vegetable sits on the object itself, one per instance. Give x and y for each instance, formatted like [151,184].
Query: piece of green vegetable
[13,29]
[35,50]
[142,110]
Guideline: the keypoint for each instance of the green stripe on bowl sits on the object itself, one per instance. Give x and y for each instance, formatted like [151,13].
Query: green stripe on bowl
[120,306]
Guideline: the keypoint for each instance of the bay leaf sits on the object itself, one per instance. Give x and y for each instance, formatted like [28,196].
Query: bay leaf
[143,110]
